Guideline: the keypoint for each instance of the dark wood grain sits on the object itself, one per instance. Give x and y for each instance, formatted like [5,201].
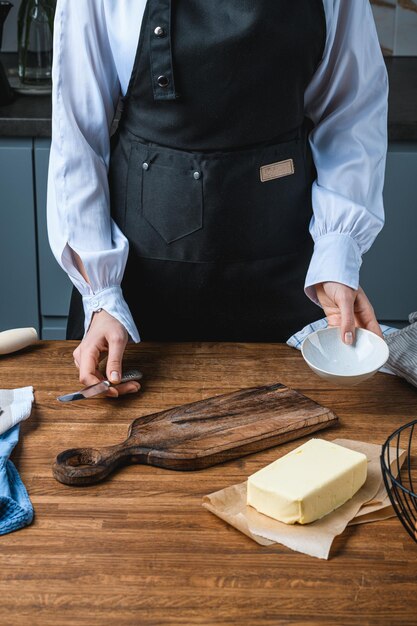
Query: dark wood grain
[140,550]
[200,434]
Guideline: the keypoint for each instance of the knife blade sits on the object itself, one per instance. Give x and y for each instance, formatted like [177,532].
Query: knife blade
[94,390]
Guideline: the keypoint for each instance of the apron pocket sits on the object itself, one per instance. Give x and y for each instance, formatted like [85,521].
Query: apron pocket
[172,196]
[247,215]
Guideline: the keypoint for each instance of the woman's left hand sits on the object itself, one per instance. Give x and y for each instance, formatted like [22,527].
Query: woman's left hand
[347,308]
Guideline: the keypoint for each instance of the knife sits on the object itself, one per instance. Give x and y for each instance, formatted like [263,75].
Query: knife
[94,390]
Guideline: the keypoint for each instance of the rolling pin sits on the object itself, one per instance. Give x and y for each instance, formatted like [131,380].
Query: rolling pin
[17,339]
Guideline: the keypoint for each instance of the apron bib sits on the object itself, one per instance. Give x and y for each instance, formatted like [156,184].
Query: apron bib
[211,171]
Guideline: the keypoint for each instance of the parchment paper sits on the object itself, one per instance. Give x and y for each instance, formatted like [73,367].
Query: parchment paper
[369,504]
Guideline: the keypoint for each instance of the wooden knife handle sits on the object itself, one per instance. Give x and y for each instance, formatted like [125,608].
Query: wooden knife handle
[86,466]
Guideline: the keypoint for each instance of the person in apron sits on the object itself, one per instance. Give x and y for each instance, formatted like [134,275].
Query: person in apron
[209,182]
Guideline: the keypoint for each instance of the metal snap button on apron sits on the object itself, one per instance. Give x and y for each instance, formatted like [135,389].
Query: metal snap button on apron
[196,175]
[145,166]
[159,31]
[163,81]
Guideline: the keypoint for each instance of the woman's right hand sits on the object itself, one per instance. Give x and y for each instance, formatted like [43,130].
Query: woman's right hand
[105,335]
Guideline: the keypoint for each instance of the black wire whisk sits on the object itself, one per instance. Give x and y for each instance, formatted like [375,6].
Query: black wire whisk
[400,482]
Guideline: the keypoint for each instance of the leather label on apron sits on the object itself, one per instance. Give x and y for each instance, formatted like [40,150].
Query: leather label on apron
[276,170]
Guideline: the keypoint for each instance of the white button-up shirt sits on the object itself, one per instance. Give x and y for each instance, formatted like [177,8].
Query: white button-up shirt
[94,48]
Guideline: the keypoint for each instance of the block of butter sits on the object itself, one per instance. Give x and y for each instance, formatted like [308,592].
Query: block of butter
[308,483]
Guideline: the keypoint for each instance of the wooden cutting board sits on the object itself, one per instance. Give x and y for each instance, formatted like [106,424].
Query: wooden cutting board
[201,434]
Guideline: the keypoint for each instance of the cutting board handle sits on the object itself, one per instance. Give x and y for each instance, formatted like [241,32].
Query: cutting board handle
[86,466]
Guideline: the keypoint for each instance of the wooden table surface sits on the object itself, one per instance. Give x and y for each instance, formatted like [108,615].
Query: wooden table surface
[139,549]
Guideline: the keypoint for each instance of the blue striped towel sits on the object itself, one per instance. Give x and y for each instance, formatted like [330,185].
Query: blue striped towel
[296,340]
[16,510]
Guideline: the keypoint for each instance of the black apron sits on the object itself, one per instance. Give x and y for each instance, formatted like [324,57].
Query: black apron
[211,171]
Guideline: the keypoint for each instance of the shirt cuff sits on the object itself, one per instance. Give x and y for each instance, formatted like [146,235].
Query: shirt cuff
[111,300]
[336,258]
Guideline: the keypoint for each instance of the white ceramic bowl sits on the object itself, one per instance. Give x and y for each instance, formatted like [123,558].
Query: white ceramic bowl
[330,358]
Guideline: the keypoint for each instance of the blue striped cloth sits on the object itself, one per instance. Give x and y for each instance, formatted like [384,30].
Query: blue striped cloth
[16,509]
[296,340]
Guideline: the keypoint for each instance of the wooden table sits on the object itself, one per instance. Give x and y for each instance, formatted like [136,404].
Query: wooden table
[140,549]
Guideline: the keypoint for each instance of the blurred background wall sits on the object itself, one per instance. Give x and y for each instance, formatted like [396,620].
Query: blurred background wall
[396,22]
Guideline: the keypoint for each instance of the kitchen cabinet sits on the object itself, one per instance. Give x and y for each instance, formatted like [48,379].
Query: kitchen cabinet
[34,290]
[19,300]
[54,285]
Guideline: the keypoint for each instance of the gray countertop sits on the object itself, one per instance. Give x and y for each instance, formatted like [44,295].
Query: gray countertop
[30,116]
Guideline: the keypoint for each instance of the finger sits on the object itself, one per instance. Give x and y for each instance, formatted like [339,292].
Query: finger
[333,319]
[347,323]
[89,374]
[76,356]
[374,327]
[326,294]
[123,389]
[365,315]
[117,344]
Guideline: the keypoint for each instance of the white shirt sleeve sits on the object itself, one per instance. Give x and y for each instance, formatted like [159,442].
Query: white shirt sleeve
[85,93]
[347,101]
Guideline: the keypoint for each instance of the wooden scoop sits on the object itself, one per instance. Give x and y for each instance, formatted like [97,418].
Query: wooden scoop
[201,434]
